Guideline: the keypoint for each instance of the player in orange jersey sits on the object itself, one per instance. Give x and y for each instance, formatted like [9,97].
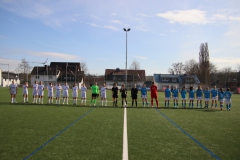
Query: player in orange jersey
[154,94]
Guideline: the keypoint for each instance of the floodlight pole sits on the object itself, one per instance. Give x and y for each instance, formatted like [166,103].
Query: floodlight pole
[126,30]
[236,78]
[8,74]
[66,72]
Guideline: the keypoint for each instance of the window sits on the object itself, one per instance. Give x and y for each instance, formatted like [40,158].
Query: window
[165,79]
[49,77]
[189,80]
[174,80]
[37,77]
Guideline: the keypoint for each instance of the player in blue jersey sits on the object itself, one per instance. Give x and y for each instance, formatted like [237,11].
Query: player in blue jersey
[221,96]
[191,97]
[228,96]
[144,95]
[199,94]
[167,95]
[175,94]
[206,97]
[214,94]
[183,95]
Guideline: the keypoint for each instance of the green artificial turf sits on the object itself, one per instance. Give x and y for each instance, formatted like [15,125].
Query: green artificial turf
[87,132]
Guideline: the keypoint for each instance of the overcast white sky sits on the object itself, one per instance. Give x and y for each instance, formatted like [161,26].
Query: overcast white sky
[162,32]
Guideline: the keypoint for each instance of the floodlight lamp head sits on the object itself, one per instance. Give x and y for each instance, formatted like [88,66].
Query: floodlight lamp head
[124,29]
[128,29]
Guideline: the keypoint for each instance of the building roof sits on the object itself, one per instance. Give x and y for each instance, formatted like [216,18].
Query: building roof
[121,73]
[171,78]
[60,69]
[11,75]
[55,67]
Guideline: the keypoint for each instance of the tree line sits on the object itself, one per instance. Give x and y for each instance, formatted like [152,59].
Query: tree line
[214,76]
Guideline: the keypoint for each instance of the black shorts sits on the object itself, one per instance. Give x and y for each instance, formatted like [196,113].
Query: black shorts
[134,96]
[124,96]
[114,96]
[94,95]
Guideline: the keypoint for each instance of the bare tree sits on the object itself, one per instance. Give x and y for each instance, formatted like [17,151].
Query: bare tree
[84,67]
[238,67]
[224,75]
[213,74]
[170,70]
[191,67]
[135,65]
[177,68]
[204,63]
[24,69]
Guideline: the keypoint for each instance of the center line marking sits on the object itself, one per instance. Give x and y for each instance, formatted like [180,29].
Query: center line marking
[125,137]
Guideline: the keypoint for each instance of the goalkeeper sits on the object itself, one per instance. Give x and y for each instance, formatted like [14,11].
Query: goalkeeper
[95,93]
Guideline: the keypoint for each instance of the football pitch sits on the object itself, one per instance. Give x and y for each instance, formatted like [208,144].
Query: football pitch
[42,131]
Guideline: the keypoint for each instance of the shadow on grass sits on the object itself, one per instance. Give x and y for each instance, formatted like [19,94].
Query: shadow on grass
[211,110]
[7,104]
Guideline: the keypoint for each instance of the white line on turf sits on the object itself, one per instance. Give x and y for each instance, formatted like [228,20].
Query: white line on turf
[125,137]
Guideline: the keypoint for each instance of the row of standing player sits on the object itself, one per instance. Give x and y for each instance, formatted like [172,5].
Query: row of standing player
[214,94]
[38,93]
[134,95]
[199,93]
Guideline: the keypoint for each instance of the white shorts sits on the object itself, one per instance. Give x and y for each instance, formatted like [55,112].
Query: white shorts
[58,94]
[41,93]
[74,95]
[103,95]
[65,94]
[175,98]
[214,98]
[83,95]
[207,99]
[34,93]
[184,99]
[13,92]
[191,99]
[50,94]
[25,92]
[228,101]
[167,98]
[221,100]
[199,98]
[144,96]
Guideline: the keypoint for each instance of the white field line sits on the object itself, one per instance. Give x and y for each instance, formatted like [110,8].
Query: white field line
[125,137]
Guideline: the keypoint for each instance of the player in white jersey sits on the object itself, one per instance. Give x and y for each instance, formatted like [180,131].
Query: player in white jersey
[103,92]
[40,92]
[25,92]
[65,93]
[75,93]
[58,93]
[13,91]
[35,91]
[50,93]
[83,94]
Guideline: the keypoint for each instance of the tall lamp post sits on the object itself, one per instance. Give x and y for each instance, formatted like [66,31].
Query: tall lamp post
[126,30]
[37,68]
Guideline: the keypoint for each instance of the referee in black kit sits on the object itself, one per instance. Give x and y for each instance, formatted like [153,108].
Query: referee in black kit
[134,92]
[115,94]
